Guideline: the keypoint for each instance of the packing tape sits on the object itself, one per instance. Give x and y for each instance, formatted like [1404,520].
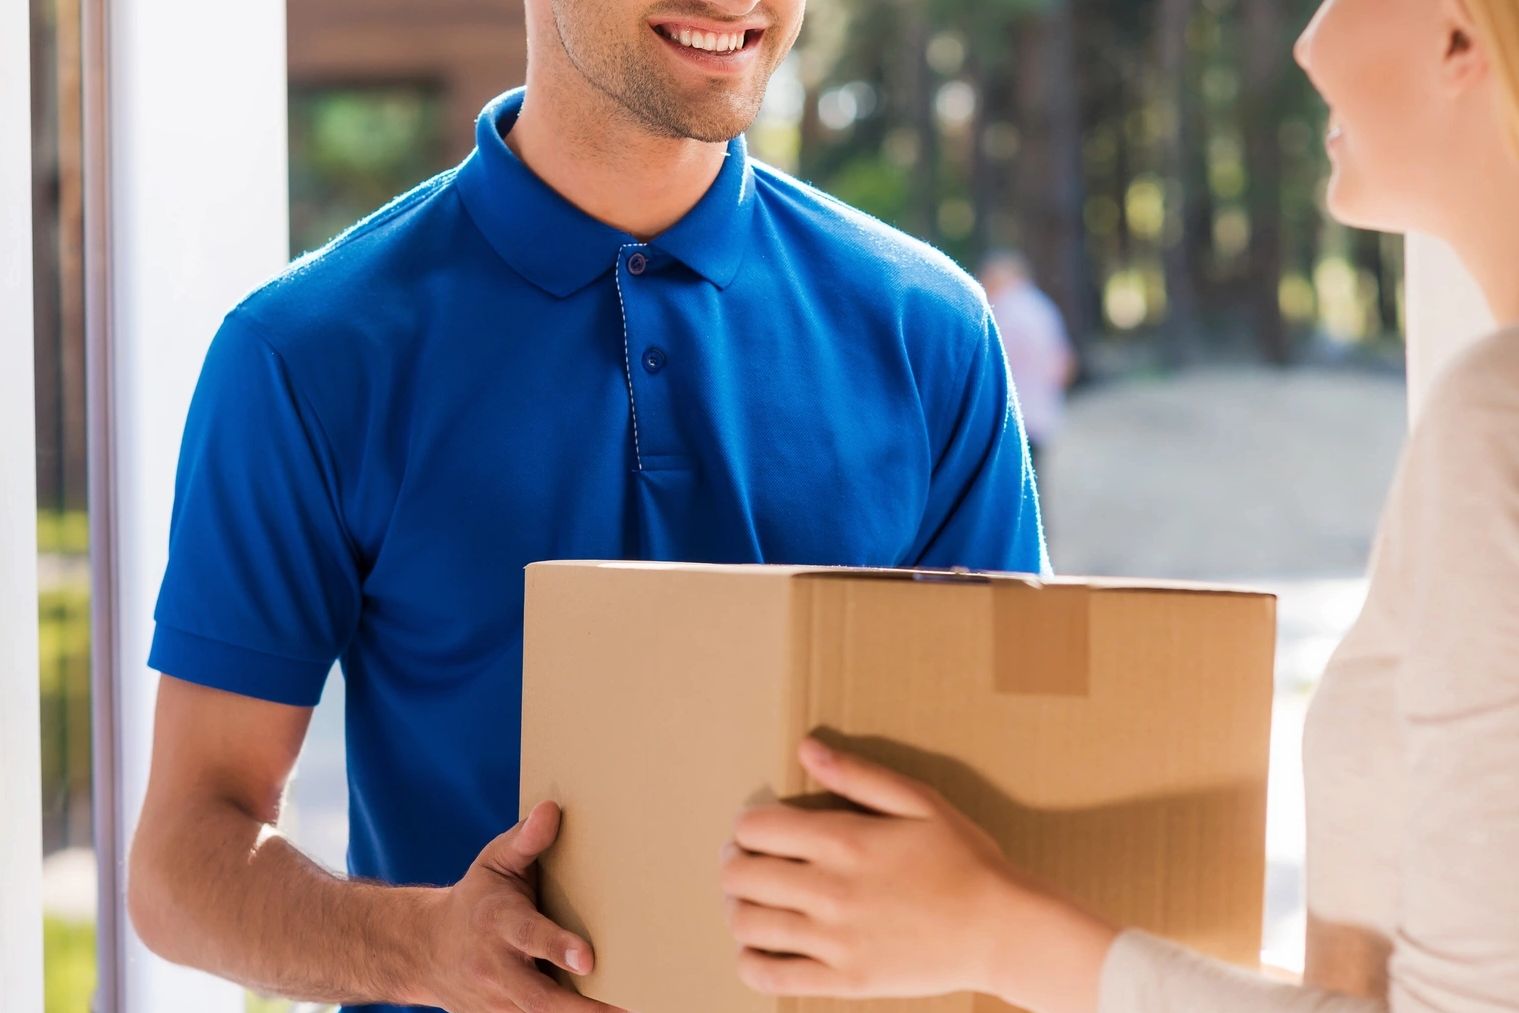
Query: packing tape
[1043,639]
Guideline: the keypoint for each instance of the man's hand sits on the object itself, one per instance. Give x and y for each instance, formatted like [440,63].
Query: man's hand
[215,885]
[488,933]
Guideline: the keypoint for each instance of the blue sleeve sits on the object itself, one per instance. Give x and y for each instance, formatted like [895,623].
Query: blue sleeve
[262,590]
[983,506]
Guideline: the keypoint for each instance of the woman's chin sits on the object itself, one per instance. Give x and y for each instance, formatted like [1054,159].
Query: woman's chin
[1352,204]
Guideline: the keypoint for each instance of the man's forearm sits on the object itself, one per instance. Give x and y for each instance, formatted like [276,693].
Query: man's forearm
[228,894]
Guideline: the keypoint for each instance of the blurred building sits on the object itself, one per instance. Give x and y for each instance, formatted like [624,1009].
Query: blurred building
[464,51]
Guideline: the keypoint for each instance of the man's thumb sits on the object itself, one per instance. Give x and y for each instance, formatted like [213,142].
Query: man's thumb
[514,852]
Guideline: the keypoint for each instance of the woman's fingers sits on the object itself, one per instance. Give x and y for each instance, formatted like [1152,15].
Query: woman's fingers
[780,883]
[788,832]
[868,784]
[772,930]
[795,976]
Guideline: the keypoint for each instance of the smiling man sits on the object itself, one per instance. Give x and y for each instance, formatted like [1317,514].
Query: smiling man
[608,334]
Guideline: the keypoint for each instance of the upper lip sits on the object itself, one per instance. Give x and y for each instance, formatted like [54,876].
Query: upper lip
[715,27]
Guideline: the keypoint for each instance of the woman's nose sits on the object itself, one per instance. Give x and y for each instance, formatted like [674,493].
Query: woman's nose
[1302,50]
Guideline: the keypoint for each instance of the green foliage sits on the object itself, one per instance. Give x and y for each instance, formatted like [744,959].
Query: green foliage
[1168,150]
[253,1003]
[66,532]
[352,149]
[64,674]
[68,956]
[873,185]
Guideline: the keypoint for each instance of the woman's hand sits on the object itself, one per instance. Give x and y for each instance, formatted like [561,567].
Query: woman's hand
[917,901]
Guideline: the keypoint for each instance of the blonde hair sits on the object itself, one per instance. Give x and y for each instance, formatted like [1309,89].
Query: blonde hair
[1498,23]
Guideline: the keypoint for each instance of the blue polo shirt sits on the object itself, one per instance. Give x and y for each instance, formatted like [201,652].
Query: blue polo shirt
[480,376]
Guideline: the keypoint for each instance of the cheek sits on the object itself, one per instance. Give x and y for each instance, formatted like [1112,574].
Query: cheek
[1370,60]
[1386,169]
[1385,165]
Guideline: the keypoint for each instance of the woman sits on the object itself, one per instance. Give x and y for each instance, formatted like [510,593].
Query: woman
[1412,747]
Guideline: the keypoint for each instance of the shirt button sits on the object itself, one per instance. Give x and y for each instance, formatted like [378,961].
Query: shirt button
[654,360]
[637,264]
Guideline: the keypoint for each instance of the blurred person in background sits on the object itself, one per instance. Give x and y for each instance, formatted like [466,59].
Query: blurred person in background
[1039,353]
[1411,750]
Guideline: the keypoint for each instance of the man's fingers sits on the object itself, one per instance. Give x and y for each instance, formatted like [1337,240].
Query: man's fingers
[533,935]
[774,931]
[796,976]
[868,784]
[537,993]
[514,852]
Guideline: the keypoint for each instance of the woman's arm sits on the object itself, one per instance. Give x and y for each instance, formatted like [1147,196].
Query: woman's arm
[919,901]
[1457,947]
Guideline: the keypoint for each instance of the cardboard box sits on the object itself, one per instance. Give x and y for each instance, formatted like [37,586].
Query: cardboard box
[1112,736]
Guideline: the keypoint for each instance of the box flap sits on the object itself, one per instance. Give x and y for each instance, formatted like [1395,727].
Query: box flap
[957,575]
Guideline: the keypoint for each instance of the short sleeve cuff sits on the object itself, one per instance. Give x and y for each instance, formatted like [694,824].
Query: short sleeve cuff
[236,669]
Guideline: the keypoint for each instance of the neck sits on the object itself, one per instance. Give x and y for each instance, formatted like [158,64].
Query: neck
[593,152]
[1484,238]
[1493,260]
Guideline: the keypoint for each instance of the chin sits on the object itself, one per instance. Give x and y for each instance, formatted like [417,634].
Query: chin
[1353,203]
[720,122]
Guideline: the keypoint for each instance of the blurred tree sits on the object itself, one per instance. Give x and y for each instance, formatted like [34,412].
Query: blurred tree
[1155,158]
[1051,190]
[1264,60]
[1177,120]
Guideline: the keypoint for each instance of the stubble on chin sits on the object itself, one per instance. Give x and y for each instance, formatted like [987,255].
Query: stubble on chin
[632,82]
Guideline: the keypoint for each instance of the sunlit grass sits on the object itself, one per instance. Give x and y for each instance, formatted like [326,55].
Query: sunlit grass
[68,954]
[260,1004]
[65,532]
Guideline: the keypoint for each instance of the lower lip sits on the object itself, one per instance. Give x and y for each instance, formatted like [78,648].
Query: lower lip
[715,63]
[1334,139]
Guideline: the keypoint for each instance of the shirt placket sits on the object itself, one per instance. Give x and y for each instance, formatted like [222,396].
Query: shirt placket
[645,361]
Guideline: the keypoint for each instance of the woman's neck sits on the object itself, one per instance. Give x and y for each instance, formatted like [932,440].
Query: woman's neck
[1486,238]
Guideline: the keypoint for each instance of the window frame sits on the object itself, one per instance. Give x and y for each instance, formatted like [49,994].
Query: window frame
[186,210]
[20,731]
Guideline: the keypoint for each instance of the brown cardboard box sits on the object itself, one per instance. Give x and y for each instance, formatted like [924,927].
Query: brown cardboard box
[1112,736]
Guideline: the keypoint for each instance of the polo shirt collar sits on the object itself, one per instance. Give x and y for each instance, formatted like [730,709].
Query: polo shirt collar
[560,248]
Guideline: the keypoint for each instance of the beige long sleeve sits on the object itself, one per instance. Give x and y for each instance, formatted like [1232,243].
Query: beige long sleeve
[1451,542]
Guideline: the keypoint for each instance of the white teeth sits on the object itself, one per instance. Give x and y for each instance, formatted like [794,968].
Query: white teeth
[712,42]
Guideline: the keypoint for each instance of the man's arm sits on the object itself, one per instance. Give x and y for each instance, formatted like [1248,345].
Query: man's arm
[983,508]
[214,885]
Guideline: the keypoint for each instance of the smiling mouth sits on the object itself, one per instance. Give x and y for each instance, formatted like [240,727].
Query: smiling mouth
[711,43]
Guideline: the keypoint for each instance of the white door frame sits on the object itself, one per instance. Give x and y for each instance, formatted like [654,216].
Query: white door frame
[187,165]
[20,735]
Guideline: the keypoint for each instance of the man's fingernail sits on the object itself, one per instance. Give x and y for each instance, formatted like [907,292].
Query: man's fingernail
[575,958]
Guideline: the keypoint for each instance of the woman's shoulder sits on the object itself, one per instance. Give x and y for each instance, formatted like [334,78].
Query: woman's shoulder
[1460,467]
[1460,471]
[1482,378]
